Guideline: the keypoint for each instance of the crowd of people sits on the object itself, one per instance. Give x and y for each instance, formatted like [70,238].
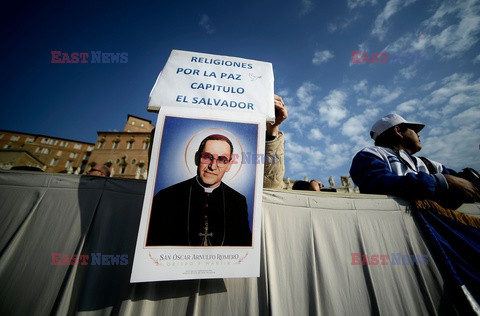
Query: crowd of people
[389,167]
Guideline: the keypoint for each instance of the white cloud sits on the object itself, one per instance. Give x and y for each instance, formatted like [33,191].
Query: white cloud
[302,158]
[400,45]
[361,86]
[447,40]
[352,4]
[460,101]
[451,136]
[456,147]
[357,127]
[305,93]
[284,93]
[438,19]
[363,101]
[331,109]
[407,106]
[379,91]
[332,27]
[354,126]
[300,114]
[315,134]
[428,86]
[470,116]
[390,9]
[206,24]
[476,60]
[338,155]
[435,131]
[385,95]
[342,24]
[321,57]
[307,6]
[408,72]
[456,39]
[453,85]
[391,96]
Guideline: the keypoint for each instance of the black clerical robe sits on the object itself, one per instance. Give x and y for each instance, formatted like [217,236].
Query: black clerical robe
[180,215]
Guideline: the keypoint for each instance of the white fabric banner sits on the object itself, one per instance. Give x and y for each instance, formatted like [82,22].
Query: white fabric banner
[198,80]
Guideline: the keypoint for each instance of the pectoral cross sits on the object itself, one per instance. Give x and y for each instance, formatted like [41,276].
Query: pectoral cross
[205,234]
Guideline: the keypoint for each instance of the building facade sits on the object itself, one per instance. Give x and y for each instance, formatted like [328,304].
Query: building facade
[51,154]
[126,152]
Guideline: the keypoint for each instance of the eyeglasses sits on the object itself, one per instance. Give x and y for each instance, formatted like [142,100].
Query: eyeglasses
[208,158]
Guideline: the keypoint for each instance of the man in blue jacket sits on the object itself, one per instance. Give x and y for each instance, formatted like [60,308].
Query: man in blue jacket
[390,168]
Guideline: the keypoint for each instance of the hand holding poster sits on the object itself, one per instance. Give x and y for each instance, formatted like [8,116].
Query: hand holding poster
[201,215]
[211,81]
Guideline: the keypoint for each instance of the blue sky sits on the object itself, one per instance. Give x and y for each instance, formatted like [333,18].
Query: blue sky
[332,102]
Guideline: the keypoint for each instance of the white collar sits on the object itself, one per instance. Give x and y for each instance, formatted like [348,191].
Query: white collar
[206,189]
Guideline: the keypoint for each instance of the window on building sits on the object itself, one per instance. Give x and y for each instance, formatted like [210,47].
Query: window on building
[44,141]
[14,138]
[1,136]
[142,125]
[59,153]
[146,144]
[54,162]
[90,148]
[77,146]
[129,144]
[122,169]
[115,145]
[68,164]
[73,155]
[38,149]
[134,161]
[117,161]
[45,151]
[100,145]
[29,140]
[63,143]
[7,146]
[52,142]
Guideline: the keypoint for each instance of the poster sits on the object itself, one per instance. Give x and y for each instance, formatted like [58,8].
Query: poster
[187,231]
[206,81]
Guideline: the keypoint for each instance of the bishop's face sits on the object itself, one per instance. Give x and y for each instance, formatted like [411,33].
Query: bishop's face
[214,162]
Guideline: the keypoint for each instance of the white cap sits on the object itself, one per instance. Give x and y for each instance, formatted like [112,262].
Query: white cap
[391,120]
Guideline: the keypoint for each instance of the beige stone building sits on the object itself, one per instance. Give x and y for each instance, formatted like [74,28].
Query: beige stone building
[125,152]
[49,153]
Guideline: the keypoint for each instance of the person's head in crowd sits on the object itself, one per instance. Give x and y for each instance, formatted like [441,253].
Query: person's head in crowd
[313,185]
[394,131]
[213,159]
[99,170]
